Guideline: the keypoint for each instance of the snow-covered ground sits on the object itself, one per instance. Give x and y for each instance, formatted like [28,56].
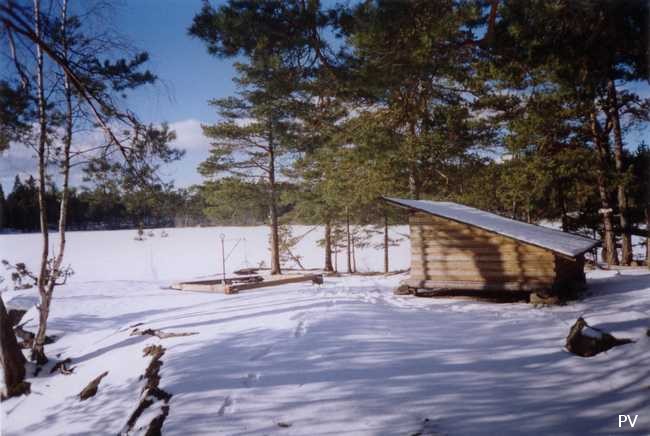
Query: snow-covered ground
[347,357]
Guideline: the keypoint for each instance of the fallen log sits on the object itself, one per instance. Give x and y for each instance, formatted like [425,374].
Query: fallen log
[91,388]
[151,394]
[159,333]
[246,271]
[586,341]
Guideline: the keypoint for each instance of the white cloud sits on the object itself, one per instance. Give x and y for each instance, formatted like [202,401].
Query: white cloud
[189,135]
[21,160]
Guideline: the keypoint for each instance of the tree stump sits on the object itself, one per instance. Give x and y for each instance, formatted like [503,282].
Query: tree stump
[12,359]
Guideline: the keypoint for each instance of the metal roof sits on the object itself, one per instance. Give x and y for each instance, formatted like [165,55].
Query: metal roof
[551,239]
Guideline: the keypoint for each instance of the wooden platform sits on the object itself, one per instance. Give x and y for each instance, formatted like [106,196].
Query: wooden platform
[233,285]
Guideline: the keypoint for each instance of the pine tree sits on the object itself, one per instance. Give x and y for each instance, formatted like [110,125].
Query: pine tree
[257,131]
[3,209]
[283,48]
[601,45]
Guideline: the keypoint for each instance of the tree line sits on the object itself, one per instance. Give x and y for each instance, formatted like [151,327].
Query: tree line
[523,108]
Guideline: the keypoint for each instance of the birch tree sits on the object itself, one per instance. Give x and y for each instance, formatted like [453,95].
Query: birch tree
[66,78]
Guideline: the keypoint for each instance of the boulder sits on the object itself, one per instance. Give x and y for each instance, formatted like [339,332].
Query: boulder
[403,290]
[586,341]
[542,299]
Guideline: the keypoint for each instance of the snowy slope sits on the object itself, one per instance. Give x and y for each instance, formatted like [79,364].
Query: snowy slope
[348,357]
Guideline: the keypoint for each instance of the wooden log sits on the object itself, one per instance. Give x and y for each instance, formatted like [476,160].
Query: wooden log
[487,257]
[511,264]
[483,275]
[477,285]
[484,271]
[314,278]
[232,288]
[488,275]
[468,242]
[458,249]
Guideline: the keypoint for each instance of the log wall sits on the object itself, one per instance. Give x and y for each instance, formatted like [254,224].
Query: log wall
[449,255]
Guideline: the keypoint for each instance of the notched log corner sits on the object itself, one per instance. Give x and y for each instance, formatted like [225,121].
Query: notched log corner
[586,341]
[91,389]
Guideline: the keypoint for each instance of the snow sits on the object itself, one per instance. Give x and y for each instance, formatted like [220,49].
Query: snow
[592,333]
[185,253]
[347,357]
[545,237]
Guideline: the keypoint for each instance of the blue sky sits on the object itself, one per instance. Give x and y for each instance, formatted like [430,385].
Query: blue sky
[189,76]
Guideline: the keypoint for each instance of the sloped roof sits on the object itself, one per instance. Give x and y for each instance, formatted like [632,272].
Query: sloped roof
[544,237]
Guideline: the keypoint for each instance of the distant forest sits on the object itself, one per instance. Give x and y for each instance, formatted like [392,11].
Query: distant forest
[225,202]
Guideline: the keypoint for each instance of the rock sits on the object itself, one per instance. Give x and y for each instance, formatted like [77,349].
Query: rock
[91,389]
[586,341]
[15,315]
[545,300]
[403,290]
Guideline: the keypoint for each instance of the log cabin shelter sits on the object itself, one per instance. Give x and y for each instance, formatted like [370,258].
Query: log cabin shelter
[460,248]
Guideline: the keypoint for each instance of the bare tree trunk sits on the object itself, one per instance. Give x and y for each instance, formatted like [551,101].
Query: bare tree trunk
[414,185]
[349,239]
[275,238]
[328,246]
[11,357]
[563,210]
[65,169]
[38,349]
[610,254]
[414,180]
[386,240]
[626,241]
[354,255]
[647,238]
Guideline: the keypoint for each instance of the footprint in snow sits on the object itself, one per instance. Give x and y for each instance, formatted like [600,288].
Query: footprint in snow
[227,406]
[260,354]
[250,379]
[297,316]
[300,329]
